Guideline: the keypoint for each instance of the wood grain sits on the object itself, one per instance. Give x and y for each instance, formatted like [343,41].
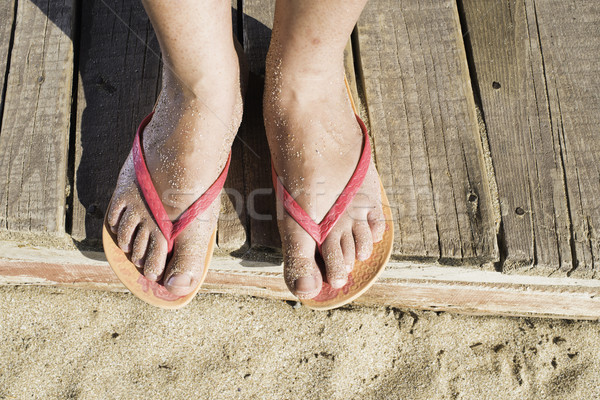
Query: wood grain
[7,14]
[119,69]
[426,139]
[257,22]
[36,119]
[538,85]
[569,37]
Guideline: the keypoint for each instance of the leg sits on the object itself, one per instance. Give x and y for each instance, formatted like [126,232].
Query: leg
[315,140]
[188,140]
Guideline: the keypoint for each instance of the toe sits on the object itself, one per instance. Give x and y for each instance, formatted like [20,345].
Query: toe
[376,220]
[127,227]
[300,270]
[349,251]
[188,261]
[185,270]
[140,244]
[156,256]
[302,276]
[337,273]
[363,239]
[114,214]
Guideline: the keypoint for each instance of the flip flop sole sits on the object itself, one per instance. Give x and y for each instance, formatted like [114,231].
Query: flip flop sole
[150,292]
[364,274]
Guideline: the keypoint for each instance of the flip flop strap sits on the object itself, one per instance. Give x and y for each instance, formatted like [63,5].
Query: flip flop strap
[170,229]
[320,231]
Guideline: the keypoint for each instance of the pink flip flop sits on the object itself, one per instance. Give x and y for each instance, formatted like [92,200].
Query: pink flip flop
[365,272]
[153,292]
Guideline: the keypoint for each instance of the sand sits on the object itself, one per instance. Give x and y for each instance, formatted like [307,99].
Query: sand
[79,344]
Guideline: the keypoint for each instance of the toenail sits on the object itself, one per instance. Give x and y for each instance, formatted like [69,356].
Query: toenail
[337,283]
[151,276]
[349,268]
[305,285]
[182,280]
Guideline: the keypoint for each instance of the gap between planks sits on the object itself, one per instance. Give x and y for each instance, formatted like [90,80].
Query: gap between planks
[8,14]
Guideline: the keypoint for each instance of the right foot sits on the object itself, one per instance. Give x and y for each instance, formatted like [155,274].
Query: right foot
[185,145]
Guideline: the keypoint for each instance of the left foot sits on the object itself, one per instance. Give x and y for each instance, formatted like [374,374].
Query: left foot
[315,143]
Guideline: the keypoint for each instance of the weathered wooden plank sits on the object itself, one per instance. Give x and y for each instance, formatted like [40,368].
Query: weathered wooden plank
[119,69]
[427,144]
[452,289]
[569,40]
[36,119]
[7,16]
[233,223]
[541,108]
[257,21]
[526,156]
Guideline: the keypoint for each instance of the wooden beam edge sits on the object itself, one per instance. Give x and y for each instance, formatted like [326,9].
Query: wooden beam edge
[403,284]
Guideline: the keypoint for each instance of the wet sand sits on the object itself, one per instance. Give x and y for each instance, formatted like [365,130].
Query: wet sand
[77,344]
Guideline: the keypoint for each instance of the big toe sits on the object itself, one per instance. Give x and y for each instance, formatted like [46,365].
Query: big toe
[300,270]
[302,276]
[185,269]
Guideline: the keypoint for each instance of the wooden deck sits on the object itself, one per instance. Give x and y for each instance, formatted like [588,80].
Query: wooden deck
[484,116]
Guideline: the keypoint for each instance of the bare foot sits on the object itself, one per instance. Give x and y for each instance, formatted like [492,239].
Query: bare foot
[186,145]
[315,144]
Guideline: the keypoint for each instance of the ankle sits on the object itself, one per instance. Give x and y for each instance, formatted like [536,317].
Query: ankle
[217,94]
[219,76]
[291,85]
[303,63]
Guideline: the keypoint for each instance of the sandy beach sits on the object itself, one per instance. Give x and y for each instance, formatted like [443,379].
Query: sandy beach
[82,344]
